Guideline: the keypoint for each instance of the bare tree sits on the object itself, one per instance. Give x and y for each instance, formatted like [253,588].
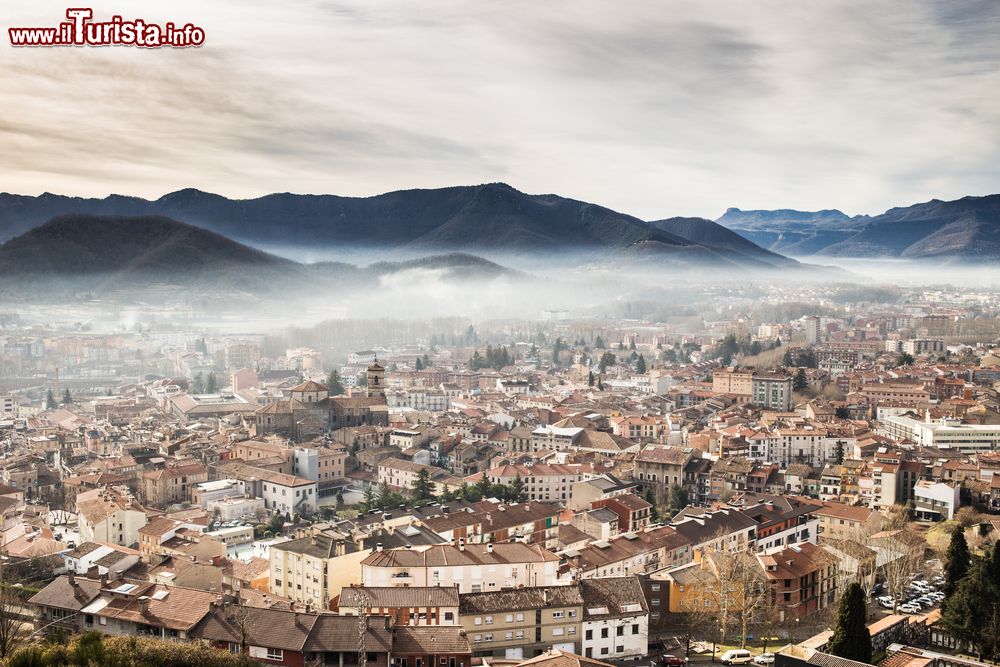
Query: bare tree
[737,589]
[13,629]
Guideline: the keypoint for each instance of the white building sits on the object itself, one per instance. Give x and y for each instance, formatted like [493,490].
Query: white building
[946,433]
[615,618]
[108,515]
[230,509]
[935,501]
[474,568]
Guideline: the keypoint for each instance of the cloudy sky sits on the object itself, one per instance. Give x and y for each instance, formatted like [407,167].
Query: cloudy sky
[654,108]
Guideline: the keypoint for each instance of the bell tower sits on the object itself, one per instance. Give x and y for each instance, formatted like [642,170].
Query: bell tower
[376,380]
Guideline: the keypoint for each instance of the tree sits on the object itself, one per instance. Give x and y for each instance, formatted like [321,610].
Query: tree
[67,399]
[905,359]
[419,365]
[677,498]
[607,359]
[968,614]
[800,382]
[212,385]
[340,499]
[640,365]
[590,379]
[838,452]
[957,561]
[423,487]
[517,493]
[198,385]
[50,400]
[12,629]
[737,589]
[369,498]
[483,486]
[334,384]
[599,343]
[851,639]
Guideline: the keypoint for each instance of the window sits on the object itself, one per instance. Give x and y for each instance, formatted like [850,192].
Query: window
[557,614]
[489,620]
[604,633]
[508,636]
[590,634]
[571,630]
[478,639]
[509,618]
[557,632]
[571,613]
[620,631]
[477,621]
[520,616]
[635,628]
[449,616]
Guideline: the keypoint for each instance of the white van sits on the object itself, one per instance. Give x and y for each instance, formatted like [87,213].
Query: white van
[736,656]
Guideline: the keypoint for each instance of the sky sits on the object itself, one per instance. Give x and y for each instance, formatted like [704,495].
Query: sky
[653,108]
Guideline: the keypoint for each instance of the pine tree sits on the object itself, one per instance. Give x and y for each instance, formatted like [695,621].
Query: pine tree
[423,487]
[957,563]
[419,365]
[517,493]
[198,386]
[851,639]
[483,486]
[66,399]
[212,385]
[640,365]
[334,383]
[427,361]
[50,400]
[590,379]
[599,343]
[838,453]
[969,613]
[800,382]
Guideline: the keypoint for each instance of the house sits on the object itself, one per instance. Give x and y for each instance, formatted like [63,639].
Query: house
[415,606]
[294,637]
[802,578]
[109,515]
[935,501]
[839,521]
[615,618]
[172,484]
[109,559]
[447,646]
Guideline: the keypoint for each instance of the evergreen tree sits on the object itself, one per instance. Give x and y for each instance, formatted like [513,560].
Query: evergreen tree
[640,365]
[423,487]
[212,385]
[838,452]
[517,494]
[340,499]
[851,639]
[969,613]
[631,345]
[590,379]
[678,498]
[369,499]
[957,563]
[66,399]
[427,361]
[334,383]
[419,365]
[198,386]
[50,400]
[800,382]
[599,343]
[483,486]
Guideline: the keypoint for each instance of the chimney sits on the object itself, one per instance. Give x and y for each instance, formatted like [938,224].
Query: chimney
[72,578]
[489,548]
[461,544]
[104,580]
[92,572]
[378,547]
[444,509]
[308,607]
[545,596]
[143,605]
[291,605]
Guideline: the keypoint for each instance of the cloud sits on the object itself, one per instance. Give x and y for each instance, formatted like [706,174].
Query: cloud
[652,108]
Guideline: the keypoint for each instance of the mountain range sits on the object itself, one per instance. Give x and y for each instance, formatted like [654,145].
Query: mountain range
[80,252]
[493,220]
[964,229]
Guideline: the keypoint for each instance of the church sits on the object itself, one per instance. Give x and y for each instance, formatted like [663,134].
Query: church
[310,412]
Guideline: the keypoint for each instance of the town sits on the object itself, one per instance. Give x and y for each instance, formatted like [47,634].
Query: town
[648,487]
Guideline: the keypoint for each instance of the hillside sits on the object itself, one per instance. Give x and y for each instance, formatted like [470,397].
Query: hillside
[724,241]
[493,220]
[82,252]
[963,229]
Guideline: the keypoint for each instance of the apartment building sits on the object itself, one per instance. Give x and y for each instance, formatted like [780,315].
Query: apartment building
[524,622]
[473,568]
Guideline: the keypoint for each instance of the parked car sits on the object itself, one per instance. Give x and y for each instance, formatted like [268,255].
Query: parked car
[736,656]
[668,660]
[885,602]
[764,659]
[909,608]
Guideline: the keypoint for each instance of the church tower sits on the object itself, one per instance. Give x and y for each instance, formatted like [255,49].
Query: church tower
[376,380]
